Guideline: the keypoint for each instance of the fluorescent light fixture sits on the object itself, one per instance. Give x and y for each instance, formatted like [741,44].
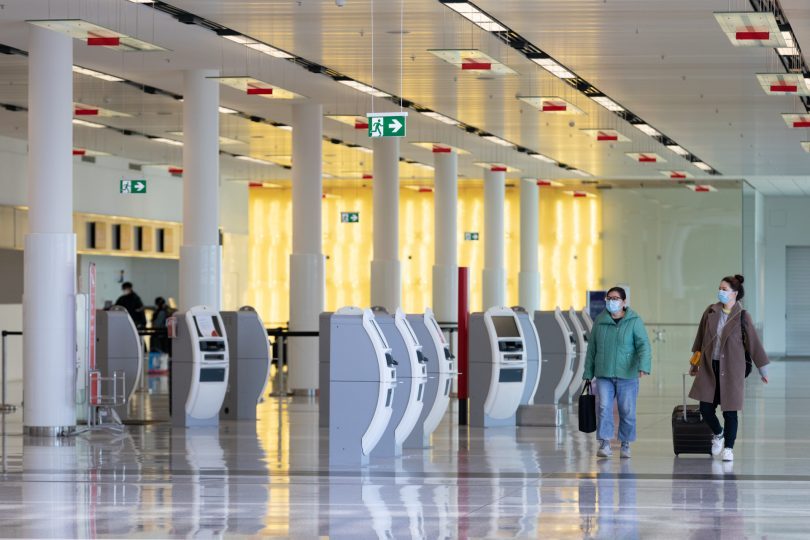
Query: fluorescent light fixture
[678,150]
[554,67]
[605,135]
[790,49]
[544,159]
[475,16]
[472,60]
[252,86]
[268,50]
[283,127]
[164,140]
[751,28]
[783,84]
[366,89]
[645,157]
[96,74]
[226,110]
[254,160]
[222,140]
[85,123]
[240,39]
[440,117]
[551,105]
[608,103]
[647,129]
[702,166]
[96,35]
[497,140]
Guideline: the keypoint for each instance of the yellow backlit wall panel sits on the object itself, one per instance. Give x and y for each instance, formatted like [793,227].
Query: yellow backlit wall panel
[569,251]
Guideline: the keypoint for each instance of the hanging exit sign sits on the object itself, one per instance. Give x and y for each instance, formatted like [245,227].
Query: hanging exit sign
[471,236]
[132,186]
[350,217]
[386,124]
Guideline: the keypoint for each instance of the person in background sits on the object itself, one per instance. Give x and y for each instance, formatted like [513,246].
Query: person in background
[158,344]
[720,371]
[618,356]
[132,303]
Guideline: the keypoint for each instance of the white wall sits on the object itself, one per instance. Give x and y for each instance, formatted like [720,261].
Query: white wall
[672,246]
[150,277]
[787,223]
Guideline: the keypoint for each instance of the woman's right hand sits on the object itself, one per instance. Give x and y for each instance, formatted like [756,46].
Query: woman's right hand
[693,370]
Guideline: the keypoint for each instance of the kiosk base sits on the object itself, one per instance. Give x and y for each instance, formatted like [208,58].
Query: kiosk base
[540,415]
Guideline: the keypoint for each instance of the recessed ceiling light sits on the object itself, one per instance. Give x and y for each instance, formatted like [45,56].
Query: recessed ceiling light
[497,140]
[366,89]
[226,110]
[96,74]
[678,150]
[608,103]
[474,15]
[164,140]
[544,159]
[553,67]
[440,117]
[702,166]
[85,123]
[647,129]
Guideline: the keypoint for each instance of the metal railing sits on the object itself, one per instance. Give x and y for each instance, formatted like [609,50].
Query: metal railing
[6,407]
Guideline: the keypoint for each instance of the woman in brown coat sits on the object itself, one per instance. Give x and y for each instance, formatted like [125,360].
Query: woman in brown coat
[720,374]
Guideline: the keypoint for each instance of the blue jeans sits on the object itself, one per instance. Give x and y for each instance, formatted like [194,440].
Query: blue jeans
[625,392]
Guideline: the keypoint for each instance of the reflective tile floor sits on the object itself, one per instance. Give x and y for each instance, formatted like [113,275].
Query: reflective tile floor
[271,478]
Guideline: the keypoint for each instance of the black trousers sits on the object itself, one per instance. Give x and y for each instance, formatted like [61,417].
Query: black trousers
[709,412]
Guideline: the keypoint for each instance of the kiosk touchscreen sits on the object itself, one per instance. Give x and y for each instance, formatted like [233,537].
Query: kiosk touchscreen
[357,380]
[532,351]
[199,368]
[581,336]
[497,367]
[119,348]
[411,379]
[249,355]
[440,377]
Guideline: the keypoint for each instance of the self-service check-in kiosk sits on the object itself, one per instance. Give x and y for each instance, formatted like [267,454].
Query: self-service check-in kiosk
[440,377]
[249,359]
[532,351]
[556,370]
[581,336]
[411,379]
[586,319]
[357,380]
[497,367]
[199,369]
[119,348]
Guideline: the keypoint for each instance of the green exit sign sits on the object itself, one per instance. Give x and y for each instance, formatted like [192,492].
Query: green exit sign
[386,124]
[471,236]
[132,186]
[350,217]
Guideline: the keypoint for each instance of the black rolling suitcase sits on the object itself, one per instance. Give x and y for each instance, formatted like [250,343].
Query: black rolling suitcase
[690,434]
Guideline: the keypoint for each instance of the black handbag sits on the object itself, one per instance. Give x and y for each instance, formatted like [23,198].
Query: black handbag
[587,409]
[749,362]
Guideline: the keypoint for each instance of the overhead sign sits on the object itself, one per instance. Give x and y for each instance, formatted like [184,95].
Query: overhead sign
[471,236]
[386,124]
[132,186]
[350,217]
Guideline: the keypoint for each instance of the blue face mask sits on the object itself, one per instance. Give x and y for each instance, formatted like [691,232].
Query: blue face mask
[724,296]
[614,306]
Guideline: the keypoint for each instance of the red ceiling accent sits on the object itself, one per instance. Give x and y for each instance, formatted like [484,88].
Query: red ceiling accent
[646,159]
[441,149]
[784,88]
[677,175]
[753,35]
[802,124]
[259,91]
[702,189]
[580,194]
[478,66]
[425,190]
[602,136]
[498,169]
[368,176]
[543,183]
[554,107]
[255,184]
[360,125]
[79,152]
[86,112]
[176,170]
[103,41]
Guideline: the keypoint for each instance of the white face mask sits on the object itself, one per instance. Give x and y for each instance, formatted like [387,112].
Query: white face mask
[613,306]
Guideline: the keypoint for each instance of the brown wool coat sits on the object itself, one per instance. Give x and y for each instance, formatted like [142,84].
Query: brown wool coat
[732,367]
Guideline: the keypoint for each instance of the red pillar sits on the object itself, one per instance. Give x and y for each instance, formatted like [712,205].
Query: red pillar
[463,331]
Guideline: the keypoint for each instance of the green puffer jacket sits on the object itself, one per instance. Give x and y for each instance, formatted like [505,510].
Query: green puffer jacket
[618,350]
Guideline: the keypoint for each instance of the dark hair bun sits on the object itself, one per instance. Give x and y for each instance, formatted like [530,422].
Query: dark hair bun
[740,278]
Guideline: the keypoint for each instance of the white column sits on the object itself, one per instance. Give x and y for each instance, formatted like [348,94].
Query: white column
[306,261]
[529,276]
[49,297]
[386,278]
[200,254]
[494,276]
[445,266]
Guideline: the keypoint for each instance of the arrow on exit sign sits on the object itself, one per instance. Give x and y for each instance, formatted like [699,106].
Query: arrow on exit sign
[387,124]
[132,186]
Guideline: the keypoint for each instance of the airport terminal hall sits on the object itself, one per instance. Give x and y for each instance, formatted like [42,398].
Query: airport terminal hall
[405,269]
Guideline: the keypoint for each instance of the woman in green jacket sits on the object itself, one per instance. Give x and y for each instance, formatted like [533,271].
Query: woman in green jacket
[618,355]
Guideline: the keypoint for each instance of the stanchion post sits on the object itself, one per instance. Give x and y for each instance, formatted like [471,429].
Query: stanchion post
[4,406]
[462,358]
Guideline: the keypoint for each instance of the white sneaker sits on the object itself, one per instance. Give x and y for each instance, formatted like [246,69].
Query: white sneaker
[604,449]
[728,454]
[625,452]
[717,444]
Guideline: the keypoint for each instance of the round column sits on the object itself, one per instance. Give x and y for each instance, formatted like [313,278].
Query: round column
[494,276]
[386,274]
[529,275]
[306,261]
[445,267]
[49,295]
[200,253]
